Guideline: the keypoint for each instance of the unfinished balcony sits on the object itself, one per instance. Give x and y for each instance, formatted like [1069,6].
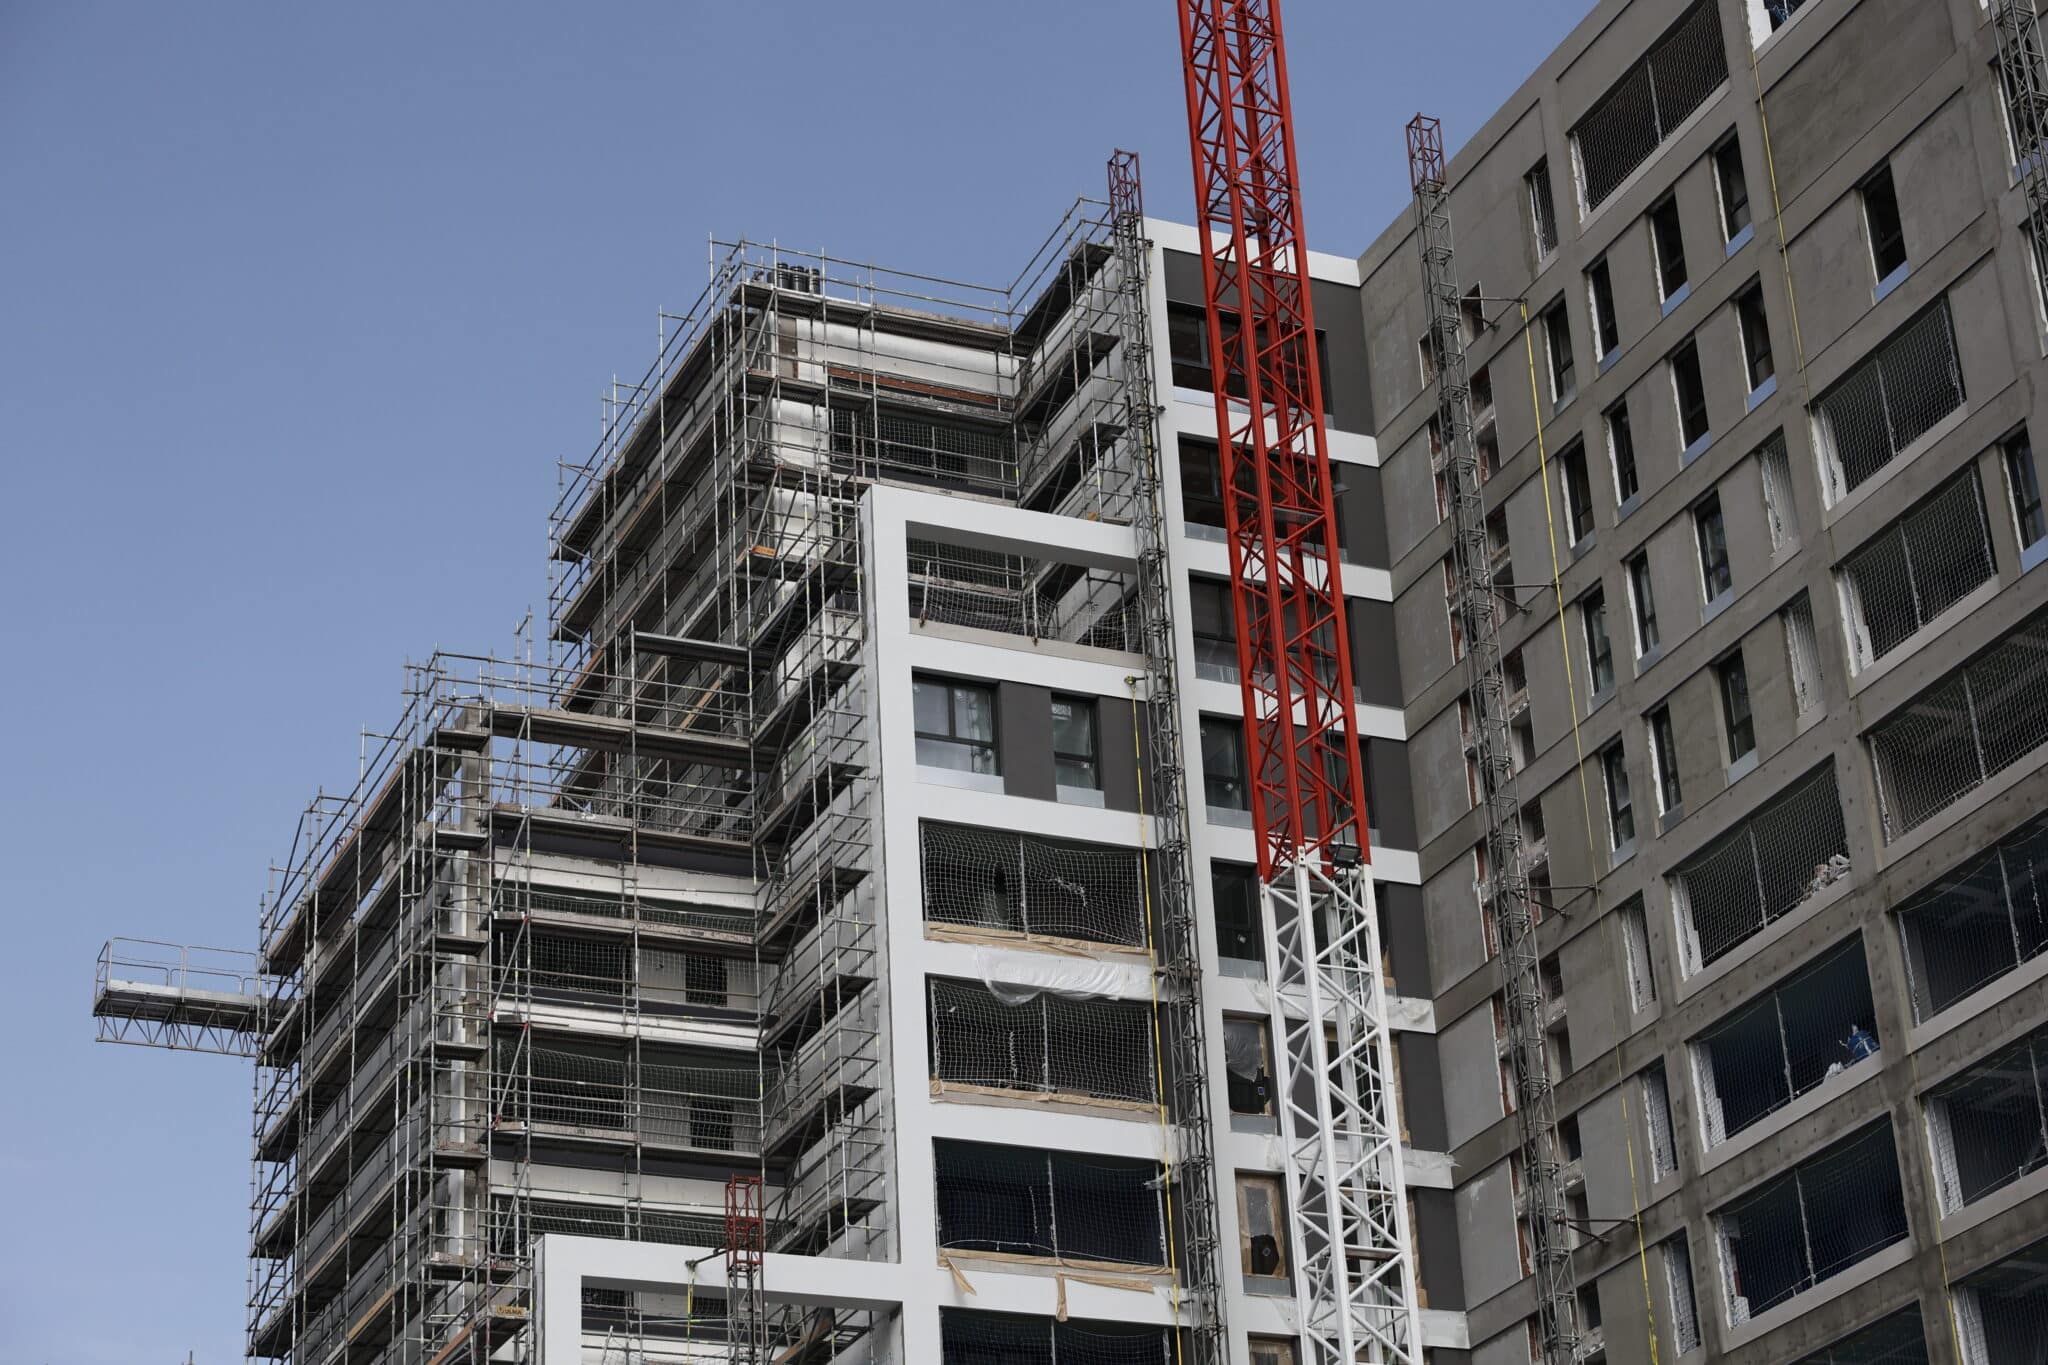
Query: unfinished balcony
[1788,850]
[1627,125]
[1899,1339]
[1978,923]
[1000,1042]
[1033,598]
[971,1337]
[995,886]
[598,1096]
[1969,727]
[1065,1208]
[1833,1210]
[1988,1127]
[1801,1032]
[1896,585]
[1882,408]
[2001,1311]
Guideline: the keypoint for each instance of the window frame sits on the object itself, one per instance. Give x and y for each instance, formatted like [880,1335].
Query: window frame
[954,688]
[1542,203]
[1710,536]
[1665,257]
[1642,591]
[1875,190]
[1079,705]
[1664,760]
[1264,1033]
[1575,484]
[1620,798]
[1738,719]
[1600,306]
[1557,346]
[1600,655]
[1732,231]
[1685,361]
[1622,454]
[1753,322]
[2023,495]
[1269,1184]
[1211,776]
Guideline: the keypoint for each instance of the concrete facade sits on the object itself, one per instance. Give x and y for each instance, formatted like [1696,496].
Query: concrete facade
[1847,89]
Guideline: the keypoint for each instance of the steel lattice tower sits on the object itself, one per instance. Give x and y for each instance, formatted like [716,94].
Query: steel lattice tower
[1476,609]
[1333,1062]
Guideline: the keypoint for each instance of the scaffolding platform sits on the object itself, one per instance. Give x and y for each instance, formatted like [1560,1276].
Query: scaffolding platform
[168,995]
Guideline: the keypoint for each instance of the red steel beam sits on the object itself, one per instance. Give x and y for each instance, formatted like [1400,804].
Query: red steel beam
[1301,751]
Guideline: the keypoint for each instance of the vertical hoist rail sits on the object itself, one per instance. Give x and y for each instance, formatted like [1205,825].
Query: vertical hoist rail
[1352,1259]
[1506,885]
[1180,959]
[2023,67]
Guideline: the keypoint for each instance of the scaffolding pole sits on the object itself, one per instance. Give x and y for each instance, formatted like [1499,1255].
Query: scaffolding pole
[1476,609]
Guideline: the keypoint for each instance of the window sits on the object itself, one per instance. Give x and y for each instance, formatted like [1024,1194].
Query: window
[1881,219]
[1802,653]
[1768,16]
[1833,1209]
[1735,715]
[1644,602]
[2023,478]
[1600,297]
[1599,653]
[1201,484]
[1215,629]
[1668,241]
[1621,815]
[1235,891]
[956,725]
[1715,576]
[1187,336]
[1734,188]
[1578,491]
[1664,761]
[1273,1351]
[1756,336]
[1689,390]
[1262,1226]
[1621,453]
[1542,210]
[1223,784]
[1248,1065]
[1074,758]
[1557,340]
[1774,467]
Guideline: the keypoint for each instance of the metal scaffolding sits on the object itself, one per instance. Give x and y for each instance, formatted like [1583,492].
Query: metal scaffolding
[1475,610]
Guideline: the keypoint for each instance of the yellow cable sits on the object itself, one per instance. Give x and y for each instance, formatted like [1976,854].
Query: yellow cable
[1586,809]
[1778,212]
[1158,1043]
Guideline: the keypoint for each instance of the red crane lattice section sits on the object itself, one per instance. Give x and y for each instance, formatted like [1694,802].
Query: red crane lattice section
[1302,761]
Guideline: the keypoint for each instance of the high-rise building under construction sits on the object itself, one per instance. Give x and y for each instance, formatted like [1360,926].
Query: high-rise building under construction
[839,937]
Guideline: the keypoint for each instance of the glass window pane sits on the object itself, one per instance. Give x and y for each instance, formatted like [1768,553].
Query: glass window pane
[974,714]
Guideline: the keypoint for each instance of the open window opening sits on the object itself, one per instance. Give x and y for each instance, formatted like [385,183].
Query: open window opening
[1979,922]
[1761,869]
[1835,1208]
[1057,1206]
[1044,1043]
[1989,1126]
[994,881]
[1807,1028]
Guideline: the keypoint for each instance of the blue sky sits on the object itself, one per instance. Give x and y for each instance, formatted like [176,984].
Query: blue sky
[299,306]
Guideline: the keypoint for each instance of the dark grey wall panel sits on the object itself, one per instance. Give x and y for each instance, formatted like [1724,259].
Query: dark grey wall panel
[1422,1092]
[1437,1262]
[1375,662]
[1390,796]
[1404,937]
[1117,759]
[1361,515]
[1024,740]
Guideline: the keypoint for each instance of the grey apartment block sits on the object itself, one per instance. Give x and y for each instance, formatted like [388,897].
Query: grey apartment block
[1785,660]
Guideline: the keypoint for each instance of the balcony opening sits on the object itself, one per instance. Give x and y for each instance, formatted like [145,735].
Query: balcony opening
[1056,1206]
[1240,928]
[971,1337]
[1837,1207]
[1809,1027]
[1894,397]
[1900,1339]
[985,881]
[1628,123]
[1979,922]
[1037,598]
[1999,1310]
[1789,849]
[1960,733]
[1989,1126]
[1046,1043]
[1895,584]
